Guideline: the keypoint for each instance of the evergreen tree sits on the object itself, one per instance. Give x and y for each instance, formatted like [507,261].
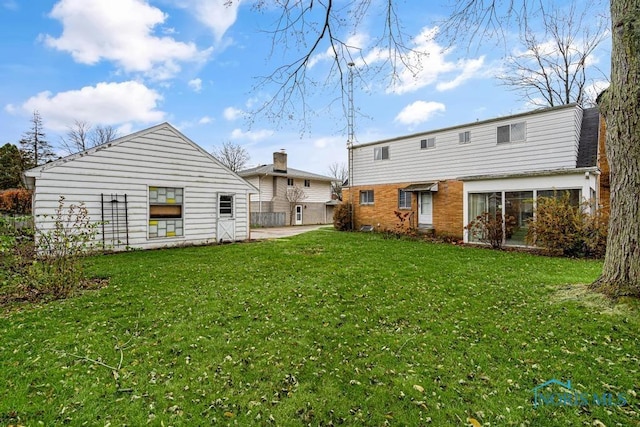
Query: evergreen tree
[11,167]
[36,148]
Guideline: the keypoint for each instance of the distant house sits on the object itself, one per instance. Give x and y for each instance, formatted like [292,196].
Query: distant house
[288,196]
[151,189]
[443,179]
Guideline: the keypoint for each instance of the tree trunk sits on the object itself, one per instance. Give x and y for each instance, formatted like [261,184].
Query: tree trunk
[620,105]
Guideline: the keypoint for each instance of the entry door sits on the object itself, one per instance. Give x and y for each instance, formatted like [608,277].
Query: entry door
[425,207]
[298,214]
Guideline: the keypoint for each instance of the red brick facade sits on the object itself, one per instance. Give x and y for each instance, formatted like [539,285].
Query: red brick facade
[447,207]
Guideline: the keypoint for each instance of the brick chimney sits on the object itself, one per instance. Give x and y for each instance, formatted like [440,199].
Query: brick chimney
[280,161]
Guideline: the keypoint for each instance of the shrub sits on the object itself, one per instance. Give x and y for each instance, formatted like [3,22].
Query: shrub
[342,217]
[53,269]
[566,229]
[488,228]
[16,201]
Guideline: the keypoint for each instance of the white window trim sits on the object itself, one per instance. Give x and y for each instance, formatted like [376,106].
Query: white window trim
[367,202]
[378,153]
[233,205]
[465,136]
[510,127]
[428,146]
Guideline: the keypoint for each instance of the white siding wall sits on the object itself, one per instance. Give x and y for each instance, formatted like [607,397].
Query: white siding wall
[551,143]
[265,185]
[319,191]
[161,159]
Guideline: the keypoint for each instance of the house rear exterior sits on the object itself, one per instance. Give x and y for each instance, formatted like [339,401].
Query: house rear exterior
[289,196]
[441,180]
[154,188]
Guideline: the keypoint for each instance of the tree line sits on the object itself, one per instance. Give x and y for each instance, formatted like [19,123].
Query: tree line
[34,149]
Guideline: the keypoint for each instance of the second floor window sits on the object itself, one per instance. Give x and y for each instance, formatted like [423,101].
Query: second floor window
[464,137]
[290,182]
[381,153]
[512,133]
[307,183]
[428,143]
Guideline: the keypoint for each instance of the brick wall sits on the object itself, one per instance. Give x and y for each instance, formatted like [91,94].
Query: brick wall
[447,207]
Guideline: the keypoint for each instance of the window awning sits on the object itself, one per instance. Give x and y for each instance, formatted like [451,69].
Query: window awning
[422,186]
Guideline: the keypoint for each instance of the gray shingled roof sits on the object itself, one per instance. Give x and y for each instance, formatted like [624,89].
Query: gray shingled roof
[291,173]
[588,145]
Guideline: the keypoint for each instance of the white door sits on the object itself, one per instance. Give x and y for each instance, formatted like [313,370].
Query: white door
[298,215]
[425,208]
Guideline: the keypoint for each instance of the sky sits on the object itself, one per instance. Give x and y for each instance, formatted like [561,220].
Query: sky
[198,64]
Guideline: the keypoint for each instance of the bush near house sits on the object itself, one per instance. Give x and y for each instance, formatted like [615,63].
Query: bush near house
[567,229]
[55,269]
[15,201]
[489,228]
[342,217]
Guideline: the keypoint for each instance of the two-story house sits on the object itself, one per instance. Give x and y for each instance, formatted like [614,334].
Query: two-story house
[445,178]
[288,196]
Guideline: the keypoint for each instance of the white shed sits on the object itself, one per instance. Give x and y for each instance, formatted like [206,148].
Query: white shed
[154,188]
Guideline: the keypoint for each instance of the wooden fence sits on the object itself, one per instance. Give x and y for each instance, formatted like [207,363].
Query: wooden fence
[268,219]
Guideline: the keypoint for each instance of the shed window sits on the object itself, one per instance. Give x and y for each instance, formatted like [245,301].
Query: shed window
[225,205]
[381,153]
[166,212]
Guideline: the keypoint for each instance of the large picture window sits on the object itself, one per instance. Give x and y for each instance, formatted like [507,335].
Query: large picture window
[516,207]
[166,212]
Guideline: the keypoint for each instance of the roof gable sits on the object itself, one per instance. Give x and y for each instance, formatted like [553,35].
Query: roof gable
[34,172]
[290,173]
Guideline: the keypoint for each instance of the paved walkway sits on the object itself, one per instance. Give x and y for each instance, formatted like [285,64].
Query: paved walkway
[278,232]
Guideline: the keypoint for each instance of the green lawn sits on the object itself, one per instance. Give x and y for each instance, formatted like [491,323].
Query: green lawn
[325,328]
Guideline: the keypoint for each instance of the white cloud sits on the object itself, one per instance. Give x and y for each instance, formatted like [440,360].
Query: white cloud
[428,64]
[205,120]
[232,114]
[120,31]
[217,15]
[105,104]
[419,112]
[195,84]
[470,68]
[253,136]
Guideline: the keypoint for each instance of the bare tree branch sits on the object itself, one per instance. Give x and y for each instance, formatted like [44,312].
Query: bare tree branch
[552,68]
[82,136]
[232,155]
[340,173]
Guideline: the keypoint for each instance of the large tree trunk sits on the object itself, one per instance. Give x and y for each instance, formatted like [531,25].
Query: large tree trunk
[620,106]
